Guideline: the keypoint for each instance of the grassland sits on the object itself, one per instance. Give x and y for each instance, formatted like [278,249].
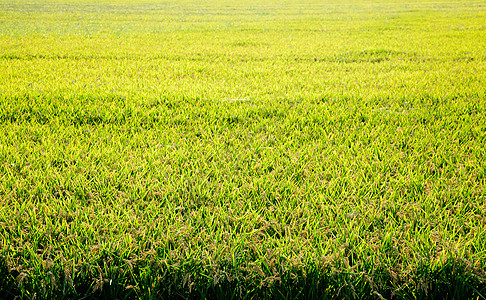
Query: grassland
[238,149]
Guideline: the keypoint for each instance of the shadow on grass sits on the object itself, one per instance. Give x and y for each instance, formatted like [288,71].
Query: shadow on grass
[452,281]
[8,286]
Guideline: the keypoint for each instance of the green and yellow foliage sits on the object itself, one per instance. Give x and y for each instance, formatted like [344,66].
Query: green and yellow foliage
[279,149]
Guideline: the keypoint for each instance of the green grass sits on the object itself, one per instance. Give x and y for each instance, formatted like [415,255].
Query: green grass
[237,149]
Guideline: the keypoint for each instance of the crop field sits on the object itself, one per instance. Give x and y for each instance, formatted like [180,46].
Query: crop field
[243,149]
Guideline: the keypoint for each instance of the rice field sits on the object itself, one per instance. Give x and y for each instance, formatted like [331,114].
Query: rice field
[243,150]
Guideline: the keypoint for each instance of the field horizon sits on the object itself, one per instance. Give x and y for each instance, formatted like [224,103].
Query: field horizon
[233,149]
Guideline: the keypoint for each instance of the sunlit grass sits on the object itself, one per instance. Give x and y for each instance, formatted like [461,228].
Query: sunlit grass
[279,149]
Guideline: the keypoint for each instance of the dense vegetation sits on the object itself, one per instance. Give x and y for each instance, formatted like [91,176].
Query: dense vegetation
[283,149]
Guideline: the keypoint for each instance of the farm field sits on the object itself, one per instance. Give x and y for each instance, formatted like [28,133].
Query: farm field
[243,149]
